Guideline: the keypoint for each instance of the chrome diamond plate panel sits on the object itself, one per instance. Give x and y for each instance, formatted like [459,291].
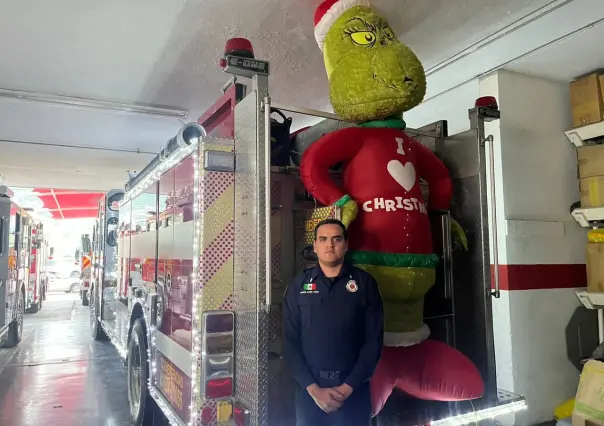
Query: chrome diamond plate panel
[251,380]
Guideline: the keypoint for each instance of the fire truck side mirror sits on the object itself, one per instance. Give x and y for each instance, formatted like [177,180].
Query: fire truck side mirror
[51,252]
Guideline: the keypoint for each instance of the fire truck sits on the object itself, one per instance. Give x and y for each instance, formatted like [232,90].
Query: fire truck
[38,278]
[84,258]
[15,257]
[189,272]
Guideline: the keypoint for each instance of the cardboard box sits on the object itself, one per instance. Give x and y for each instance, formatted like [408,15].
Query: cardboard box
[592,191]
[591,161]
[589,401]
[594,262]
[586,101]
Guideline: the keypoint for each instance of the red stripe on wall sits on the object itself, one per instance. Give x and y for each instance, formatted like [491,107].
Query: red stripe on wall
[540,277]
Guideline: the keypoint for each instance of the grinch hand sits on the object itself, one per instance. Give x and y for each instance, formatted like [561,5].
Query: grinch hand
[373,79]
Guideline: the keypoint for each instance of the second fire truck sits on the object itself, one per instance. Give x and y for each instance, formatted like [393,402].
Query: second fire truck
[84,258]
[38,277]
[15,257]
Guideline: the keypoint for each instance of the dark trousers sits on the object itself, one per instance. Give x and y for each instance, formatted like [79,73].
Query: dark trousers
[356,410]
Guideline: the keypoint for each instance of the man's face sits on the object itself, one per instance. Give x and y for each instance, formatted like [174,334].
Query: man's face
[330,245]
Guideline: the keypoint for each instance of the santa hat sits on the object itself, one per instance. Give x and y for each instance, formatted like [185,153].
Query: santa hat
[328,12]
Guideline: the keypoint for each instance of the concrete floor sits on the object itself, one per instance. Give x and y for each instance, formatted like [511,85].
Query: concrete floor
[58,375]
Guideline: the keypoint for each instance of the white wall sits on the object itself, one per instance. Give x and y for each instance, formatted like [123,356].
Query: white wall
[452,106]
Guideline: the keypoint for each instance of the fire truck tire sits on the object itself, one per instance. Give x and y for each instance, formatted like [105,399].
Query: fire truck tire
[35,307]
[85,299]
[141,403]
[96,331]
[15,330]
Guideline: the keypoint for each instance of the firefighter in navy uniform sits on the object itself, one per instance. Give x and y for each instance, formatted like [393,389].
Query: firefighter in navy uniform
[333,329]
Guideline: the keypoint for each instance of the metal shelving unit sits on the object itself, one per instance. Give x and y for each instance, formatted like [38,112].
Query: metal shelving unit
[585,135]
[590,217]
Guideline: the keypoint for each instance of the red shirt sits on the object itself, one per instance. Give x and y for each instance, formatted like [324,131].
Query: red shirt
[381,173]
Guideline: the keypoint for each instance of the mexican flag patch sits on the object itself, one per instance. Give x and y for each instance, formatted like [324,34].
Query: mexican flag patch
[310,287]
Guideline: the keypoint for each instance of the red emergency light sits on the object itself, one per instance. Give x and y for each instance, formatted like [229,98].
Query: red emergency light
[219,388]
[237,46]
[486,102]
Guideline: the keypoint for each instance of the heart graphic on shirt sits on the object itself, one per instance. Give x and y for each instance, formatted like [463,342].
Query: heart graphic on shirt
[403,175]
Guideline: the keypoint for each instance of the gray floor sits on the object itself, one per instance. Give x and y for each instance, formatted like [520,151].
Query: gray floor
[59,375]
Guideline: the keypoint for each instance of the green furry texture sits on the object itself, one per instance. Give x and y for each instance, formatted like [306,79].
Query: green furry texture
[372,75]
[405,260]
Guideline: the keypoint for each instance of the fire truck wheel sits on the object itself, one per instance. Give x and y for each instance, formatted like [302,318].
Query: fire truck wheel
[85,300]
[15,330]
[35,307]
[96,331]
[141,404]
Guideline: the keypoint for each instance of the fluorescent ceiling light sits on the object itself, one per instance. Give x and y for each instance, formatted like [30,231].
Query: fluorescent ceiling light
[92,103]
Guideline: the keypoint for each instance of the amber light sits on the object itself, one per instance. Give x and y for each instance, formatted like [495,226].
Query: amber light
[219,388]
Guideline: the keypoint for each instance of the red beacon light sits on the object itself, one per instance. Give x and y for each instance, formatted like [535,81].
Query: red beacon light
[486,102]
[237,46]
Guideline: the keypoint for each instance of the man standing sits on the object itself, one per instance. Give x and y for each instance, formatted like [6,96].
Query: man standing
[333,334]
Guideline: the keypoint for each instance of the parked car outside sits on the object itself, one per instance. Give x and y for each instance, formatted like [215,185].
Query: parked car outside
[63,275]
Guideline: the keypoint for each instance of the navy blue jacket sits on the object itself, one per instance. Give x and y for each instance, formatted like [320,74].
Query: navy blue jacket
[335,326]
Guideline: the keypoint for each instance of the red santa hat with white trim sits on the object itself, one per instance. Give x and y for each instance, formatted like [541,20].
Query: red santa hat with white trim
[328,12]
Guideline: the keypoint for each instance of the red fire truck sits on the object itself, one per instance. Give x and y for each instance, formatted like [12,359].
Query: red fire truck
[84,258]
[189,273]
[38,278]
[15,257]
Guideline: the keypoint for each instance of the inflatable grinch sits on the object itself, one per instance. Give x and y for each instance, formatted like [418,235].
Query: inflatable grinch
[373,79]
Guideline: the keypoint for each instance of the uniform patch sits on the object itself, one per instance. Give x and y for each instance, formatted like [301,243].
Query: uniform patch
[352,286]
[309,288]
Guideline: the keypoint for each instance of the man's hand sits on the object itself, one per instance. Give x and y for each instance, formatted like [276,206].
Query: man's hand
[328,399]
[344,390]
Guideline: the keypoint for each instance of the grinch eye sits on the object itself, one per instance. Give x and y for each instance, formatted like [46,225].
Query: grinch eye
[389,33]
[363,38]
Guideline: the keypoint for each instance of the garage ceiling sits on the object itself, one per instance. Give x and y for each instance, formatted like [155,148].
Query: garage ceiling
[166,54]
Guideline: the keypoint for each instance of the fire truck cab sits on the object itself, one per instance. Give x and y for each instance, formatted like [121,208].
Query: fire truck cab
[189,273]
[38,278]
[15,257]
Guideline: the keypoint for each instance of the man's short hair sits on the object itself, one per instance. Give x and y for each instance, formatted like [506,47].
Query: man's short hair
[331,222]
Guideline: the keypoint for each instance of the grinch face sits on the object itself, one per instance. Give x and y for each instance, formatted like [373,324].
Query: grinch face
[372,75]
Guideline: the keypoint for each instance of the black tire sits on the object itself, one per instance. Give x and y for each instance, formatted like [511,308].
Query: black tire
[15,329]
[140,402]
[96,331]
[35,307]
[74,288]
[85,300]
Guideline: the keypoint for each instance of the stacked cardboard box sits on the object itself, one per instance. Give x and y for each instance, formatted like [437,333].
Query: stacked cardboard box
[587,99]
[591,175]
[591,185]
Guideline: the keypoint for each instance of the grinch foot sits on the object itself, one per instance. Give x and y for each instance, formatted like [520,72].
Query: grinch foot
[430,370]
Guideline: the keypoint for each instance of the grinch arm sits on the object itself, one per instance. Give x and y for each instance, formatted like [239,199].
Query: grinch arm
[436,174]
[374,335]
[333,148]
